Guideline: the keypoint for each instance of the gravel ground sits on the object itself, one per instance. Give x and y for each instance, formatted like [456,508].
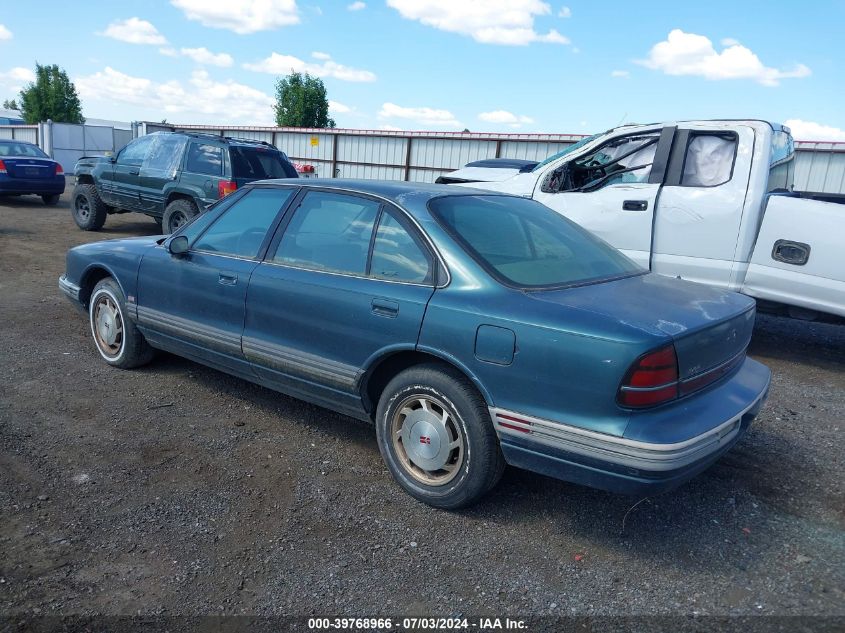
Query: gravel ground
[175,489]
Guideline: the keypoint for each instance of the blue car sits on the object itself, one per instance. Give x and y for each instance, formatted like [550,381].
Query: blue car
[25,168]
[475,329]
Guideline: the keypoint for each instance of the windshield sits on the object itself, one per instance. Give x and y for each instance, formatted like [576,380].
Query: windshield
[525,244]
[21,149]
[258,163]
[571,148]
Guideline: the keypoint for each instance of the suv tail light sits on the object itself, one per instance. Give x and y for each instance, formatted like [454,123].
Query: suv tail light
[651,380]
[59,170]
[225,187]
[2,167]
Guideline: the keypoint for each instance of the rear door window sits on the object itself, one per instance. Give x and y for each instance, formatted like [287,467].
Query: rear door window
[709,160]
[330,232]
[204,159]
[258,163]
[397,254]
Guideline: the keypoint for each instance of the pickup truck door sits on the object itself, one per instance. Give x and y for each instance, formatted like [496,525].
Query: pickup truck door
[612,190]
[701,205]
[121,190]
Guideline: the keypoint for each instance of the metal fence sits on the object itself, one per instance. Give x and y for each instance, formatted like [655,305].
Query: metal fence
[28,133]
[70,141]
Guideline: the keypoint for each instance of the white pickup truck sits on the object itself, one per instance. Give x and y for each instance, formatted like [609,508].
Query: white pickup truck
[709,201]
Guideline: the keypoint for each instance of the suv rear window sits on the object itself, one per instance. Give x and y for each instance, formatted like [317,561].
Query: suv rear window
[260,163]
[525,244]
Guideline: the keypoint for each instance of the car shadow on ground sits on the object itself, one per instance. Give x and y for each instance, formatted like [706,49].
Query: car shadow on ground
[782,338]
[30,201]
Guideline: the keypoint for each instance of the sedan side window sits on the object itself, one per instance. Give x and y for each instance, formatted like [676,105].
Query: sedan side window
[331,232]
[136,151]
[240,231]
[397,255]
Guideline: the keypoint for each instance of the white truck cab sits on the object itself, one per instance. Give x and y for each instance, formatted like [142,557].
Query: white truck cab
[708,201]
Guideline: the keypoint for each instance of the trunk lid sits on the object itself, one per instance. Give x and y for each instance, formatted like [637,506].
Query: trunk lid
[30,168]
[708,327]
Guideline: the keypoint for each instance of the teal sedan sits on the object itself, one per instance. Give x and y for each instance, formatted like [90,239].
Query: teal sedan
[474,329]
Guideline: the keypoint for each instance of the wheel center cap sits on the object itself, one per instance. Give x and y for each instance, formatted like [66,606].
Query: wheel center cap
[425,440]
[105,324]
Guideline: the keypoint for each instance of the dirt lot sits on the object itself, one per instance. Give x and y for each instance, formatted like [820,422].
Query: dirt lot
[176,489]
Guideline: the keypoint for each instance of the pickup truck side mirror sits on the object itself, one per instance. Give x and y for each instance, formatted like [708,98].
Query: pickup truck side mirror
[178,246]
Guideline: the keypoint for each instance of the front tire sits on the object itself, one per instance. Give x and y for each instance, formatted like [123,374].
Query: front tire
[51,200]
[117,339]
[177,214]
[436,437]
[89,210]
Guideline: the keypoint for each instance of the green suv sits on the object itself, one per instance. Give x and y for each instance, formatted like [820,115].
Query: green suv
[170,176]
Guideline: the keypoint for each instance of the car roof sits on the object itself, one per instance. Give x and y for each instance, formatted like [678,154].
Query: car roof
[228,140]
[394,190]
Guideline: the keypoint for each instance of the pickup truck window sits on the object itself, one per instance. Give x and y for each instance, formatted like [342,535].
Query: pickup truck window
[622,160]
[782,166]
[709,160]
[525,244]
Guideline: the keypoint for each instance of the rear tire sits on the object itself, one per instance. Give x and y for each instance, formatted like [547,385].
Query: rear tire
[51,200]
[89,210]
[117,339]
[436,437]
[177,214]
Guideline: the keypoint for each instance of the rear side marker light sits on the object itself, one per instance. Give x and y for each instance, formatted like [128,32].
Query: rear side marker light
[225,187]
[2,167]
[651,380]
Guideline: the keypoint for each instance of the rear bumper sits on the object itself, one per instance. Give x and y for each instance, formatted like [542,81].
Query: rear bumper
[41,186]
[636,467]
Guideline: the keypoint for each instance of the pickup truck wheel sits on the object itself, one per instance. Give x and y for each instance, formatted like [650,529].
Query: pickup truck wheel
[89,210]
[435,435]
[119,342]
[51,200]
[177,214]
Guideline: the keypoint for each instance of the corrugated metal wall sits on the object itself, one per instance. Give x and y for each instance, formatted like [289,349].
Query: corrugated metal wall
[423,156]
[28,133]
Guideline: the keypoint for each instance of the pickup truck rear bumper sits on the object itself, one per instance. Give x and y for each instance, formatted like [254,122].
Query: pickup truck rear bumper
[626,466]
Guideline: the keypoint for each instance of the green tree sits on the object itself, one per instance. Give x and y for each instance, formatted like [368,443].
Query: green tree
[51,96]
[10,104]
[301,102]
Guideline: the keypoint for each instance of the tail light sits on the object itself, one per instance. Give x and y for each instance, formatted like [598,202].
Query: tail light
[59,170]
[2,167]
[651,380]
[225,187]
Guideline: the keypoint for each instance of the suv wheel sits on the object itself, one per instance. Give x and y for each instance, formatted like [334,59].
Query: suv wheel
[177,214]
[435,435]
[89,210]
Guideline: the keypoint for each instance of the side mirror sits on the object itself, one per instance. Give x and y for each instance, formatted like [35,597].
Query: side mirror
[178,245]
[112,159]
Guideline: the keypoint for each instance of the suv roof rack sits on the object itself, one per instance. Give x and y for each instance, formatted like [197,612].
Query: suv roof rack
[237,139]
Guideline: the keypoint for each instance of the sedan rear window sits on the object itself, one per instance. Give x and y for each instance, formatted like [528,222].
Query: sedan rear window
[259,163]
[21,149]
[525,244]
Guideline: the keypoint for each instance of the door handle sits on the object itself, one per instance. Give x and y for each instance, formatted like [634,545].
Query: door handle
[385,308]
[134,172]
[227,279]
[635,205]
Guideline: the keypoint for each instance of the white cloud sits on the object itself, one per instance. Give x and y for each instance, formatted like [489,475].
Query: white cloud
[427,116]
[16,78]
[357,6]
[507,22]
[622,74]
[134,31]
[565,12]
[810,131]
[240,16]
[278,64]
[204,56]
[5,34]
[504,117]
[729,41]
[339,108]
[690,54]
[319,55]
[199,100]
[390,128]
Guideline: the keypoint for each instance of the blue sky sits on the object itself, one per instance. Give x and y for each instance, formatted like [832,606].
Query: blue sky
[486,65]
